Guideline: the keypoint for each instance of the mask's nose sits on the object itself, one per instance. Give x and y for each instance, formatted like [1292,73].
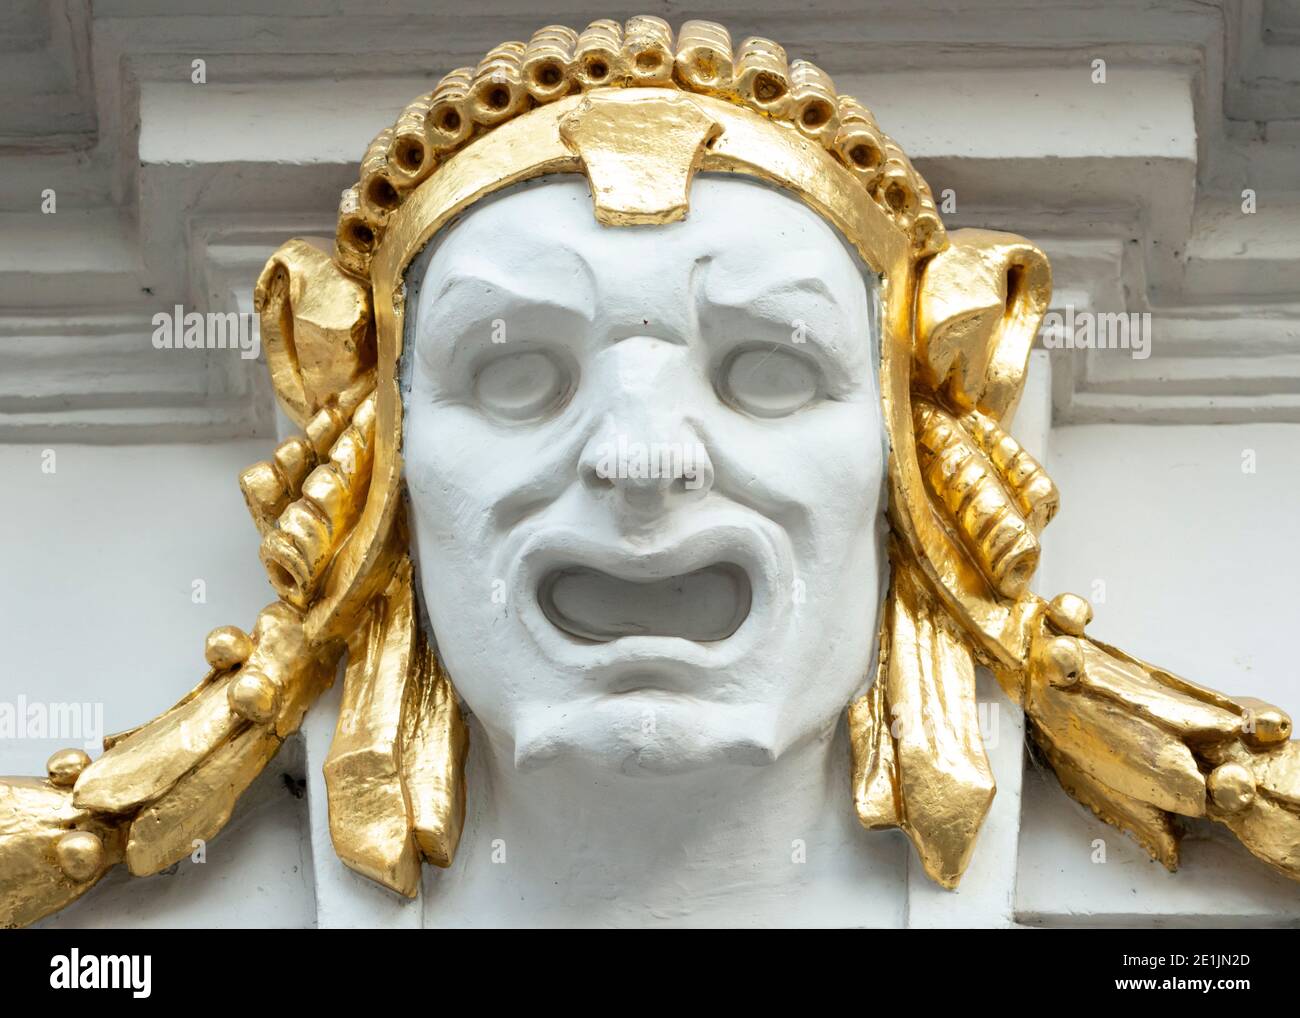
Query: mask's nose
[643,450]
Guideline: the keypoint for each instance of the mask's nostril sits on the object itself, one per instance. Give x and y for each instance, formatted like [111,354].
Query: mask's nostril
[645,474]
[592,478]
[698,480]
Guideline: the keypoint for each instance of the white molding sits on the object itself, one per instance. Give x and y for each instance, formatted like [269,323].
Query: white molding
[1202,100]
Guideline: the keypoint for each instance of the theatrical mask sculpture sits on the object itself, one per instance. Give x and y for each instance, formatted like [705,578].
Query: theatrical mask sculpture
[650,419]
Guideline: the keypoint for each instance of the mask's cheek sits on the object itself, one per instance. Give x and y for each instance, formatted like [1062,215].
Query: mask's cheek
[844,474]
[480,476]
[451,496]
[819,473]
[821,476]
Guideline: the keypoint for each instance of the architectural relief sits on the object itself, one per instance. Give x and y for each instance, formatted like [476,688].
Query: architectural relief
[652,431]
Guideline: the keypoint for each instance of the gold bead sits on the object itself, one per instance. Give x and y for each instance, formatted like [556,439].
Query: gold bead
[65,766]
[253,696]
[1262,723]
[1232,788]
[80,855]
[1059,661]
[1069,613]
[226,647]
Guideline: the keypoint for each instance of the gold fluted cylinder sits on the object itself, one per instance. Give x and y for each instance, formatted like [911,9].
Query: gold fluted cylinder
[962,478]
[356,235]
[704,58]
[762,76]
[648,50]
[298,550]
[928,235]
[1024,477]
[378,191]
[324,429]
[498,92]
[598,55]
[896,188]
[813,104]
[449,122]
[859,142]
[410,156]
[548,63]
[269,486]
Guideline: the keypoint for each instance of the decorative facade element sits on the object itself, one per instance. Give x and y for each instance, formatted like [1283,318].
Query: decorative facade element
[640,115]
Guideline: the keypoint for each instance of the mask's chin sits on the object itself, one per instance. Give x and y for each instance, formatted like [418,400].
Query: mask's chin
[648,720]
[647,733]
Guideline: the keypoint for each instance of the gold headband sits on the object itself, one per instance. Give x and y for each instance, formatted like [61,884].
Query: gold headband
[558,62]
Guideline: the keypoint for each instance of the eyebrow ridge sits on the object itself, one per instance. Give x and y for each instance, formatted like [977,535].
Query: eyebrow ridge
[481,272]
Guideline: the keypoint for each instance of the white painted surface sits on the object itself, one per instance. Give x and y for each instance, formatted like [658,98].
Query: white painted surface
[99,560]
[1196,561]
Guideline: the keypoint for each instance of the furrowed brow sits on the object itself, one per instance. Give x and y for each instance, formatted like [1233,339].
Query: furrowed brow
[462,292]
[792,286]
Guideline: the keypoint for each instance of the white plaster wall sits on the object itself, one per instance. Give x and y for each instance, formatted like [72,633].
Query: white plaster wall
[98,560]
[1190,563]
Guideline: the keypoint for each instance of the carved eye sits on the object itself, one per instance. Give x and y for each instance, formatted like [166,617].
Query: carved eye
[523,386]
[768,381]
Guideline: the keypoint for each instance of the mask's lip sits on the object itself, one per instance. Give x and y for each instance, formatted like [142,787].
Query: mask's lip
[744,540]
[706,605]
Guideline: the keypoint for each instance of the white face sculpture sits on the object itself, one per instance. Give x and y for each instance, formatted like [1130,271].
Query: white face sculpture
[645,468]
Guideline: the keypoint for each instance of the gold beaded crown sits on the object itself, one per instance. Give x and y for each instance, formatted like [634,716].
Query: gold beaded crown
[557,62]
[639,113]
[639,116]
